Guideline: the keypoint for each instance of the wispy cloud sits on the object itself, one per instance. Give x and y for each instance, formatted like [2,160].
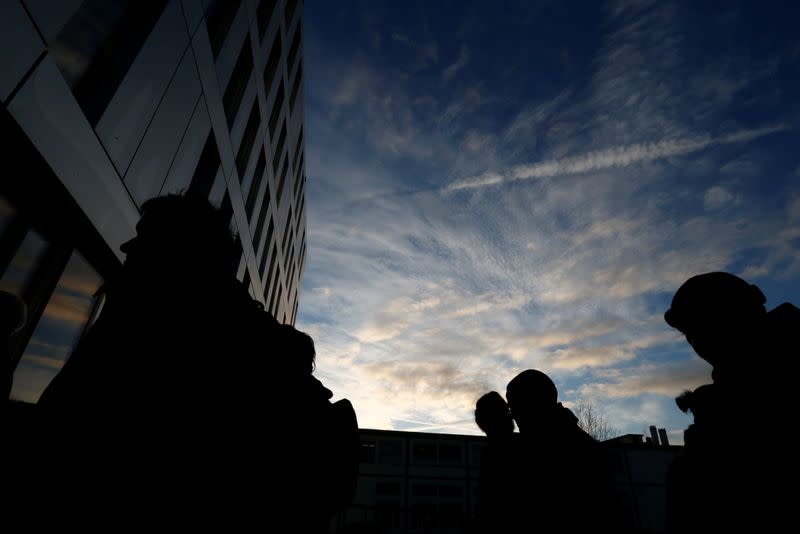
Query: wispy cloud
[428,51]
[420,301]
[619,156]
[668,379]
[717,197]
[460,63]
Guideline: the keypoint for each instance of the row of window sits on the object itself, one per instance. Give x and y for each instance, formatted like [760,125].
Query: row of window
[219,18]
[231,100]
[100,42]
[390,452]
[419,489]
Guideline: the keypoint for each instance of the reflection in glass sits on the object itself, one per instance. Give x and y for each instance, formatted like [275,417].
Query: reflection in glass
[97,46]
[58,331]
[24,263]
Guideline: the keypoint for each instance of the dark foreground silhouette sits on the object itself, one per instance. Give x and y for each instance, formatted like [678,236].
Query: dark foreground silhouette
[187,406]
[554,477]
[184,404]
[497,471]
[732,476]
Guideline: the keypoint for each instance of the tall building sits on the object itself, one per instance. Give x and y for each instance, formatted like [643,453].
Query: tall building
[107,104]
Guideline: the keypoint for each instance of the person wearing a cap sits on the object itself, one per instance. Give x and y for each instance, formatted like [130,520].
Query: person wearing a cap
[728,475]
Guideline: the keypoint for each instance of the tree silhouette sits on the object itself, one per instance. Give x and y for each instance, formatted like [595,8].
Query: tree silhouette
[594,422]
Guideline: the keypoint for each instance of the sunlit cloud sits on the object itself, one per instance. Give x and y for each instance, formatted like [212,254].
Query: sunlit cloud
[68,308]
[668,379]
[44,361]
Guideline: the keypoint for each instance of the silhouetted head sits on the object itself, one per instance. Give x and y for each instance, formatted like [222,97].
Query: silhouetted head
[12,314]
[492,415]
[298,348]
[532,396]
[179,238]
[716,311]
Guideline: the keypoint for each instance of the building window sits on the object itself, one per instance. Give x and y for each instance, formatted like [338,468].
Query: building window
[451,454]
[390,452]
[298,147]
[276,158]
[451,515]
[255,185]
[270,231]
[264,15]
[259,228]
[266,248]
[248,139]
[206,170]
[298,180]
[295,87]
[301,208]
[24,255]
[451,491]
[98,45]
[423,490]
[219,18]
[424,453]
[59,329]
[274,59]
[476,453]
[367,451]
[276,112]
[275,305]
[291,6]
[232,98]
[273,254]
[388,489]
[286,227]
[291,269]
[282,181]
[293,49]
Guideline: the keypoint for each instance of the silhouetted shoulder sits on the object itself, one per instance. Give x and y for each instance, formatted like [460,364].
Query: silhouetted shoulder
[344,412]
[785,314]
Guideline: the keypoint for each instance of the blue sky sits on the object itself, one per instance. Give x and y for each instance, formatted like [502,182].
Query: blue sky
[495,186]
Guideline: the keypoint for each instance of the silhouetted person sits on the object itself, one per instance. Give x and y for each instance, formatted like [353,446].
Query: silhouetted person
[493,416]
[498,462]
[322,462]
[167,393]
[12,318]
[565,483]
[729,474]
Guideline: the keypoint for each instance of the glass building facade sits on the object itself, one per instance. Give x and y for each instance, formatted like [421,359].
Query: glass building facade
[108,104]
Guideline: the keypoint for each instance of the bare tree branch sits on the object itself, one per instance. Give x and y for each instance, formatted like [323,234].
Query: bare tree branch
[593,422]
